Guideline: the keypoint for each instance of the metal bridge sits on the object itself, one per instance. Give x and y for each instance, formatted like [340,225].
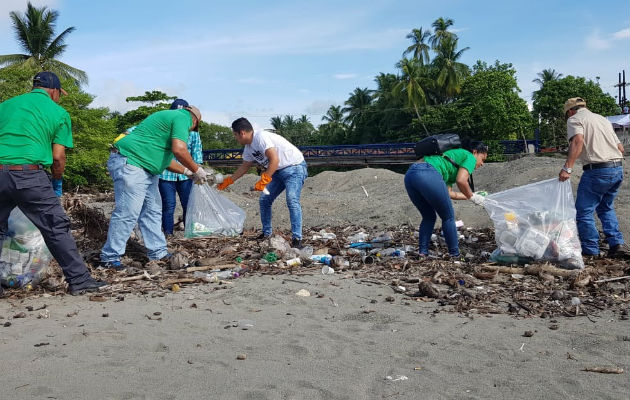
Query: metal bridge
[360,155]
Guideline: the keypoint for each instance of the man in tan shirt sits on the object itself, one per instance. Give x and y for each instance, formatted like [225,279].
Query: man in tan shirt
[595,144]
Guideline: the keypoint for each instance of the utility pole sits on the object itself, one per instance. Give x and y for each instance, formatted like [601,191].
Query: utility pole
[621,86]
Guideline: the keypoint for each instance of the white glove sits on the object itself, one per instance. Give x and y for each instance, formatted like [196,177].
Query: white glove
[200,176]
[188,172]
[478,199]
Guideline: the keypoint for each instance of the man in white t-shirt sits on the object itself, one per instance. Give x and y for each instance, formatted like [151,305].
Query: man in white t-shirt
[284,168]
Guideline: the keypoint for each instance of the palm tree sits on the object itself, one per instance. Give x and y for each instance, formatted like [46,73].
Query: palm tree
[440,31]
[356,105]
[276,123]
[419,48]
[35,34]
[334,116]
[450,71]
[413,85]
[547,75]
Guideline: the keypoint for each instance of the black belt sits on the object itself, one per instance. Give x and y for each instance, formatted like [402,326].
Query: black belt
[20,167]
[609,164]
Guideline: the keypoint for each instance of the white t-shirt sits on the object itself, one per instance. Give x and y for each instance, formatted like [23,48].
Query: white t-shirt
[287,153]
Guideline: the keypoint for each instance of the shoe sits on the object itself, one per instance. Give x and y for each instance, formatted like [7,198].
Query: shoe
[619,251]
[1,291]
[166,258]
[91,285]
[111,265]
[296,244]
[263,236]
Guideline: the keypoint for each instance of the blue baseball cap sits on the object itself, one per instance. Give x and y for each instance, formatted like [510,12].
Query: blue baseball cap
[179,103]
[47,79]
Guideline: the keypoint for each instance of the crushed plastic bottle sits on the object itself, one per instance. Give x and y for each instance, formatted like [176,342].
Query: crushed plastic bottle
[358,237]
[271,257]
[216,276]
[391,252]
[322,258]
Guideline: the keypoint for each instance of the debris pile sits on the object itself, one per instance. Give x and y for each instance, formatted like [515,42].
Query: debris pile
[470,284]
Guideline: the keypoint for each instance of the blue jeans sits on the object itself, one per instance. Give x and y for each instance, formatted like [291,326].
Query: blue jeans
[428,192]
[137,201]
[596,193]
[292,179]
[168,189]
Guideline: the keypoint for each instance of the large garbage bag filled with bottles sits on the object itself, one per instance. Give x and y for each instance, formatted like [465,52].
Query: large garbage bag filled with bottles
[210,214]
[24,258]
[536,222]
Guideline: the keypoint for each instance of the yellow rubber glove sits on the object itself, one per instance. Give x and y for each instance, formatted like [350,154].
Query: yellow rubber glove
[264,180]
[227,181]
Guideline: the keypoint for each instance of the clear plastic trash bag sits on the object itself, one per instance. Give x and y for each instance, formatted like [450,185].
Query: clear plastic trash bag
[209,214]
[536,222]
[24,257]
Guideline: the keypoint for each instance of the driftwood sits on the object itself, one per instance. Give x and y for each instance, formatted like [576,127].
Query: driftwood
[207,267]
[604,370]
[613,279]
[144,275]
[169,282]
[535,269]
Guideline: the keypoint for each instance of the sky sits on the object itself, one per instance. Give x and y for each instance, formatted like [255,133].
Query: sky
[260,59]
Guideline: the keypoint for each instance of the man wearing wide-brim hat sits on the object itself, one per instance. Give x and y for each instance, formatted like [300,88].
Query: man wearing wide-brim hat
[34,134]
[593,141]
[135,164]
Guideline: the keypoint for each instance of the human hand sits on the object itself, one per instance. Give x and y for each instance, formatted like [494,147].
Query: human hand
[227,181]
[478,199]
[264,180]
[57,186]
[200,176]
[564,175]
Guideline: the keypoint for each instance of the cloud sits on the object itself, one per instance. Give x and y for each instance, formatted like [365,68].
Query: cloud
[344,76]
[622,34]
[595,42]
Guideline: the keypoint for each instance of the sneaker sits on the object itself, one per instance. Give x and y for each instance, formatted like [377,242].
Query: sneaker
[111,265]
[263,236]
[90,285]
[296,244]
[619,251]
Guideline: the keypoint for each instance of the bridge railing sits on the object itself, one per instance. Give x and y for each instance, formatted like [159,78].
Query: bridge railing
[383,151]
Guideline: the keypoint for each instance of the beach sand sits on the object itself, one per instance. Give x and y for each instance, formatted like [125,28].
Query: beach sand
[342,342]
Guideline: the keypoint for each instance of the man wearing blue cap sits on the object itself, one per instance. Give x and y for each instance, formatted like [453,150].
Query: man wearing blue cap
[136,161]
[172,183]
[34,133]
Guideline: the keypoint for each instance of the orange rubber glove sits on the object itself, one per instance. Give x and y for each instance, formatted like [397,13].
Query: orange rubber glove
[227,181]
[264,180]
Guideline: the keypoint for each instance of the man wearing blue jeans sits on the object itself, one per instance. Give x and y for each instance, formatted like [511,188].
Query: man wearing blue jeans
[284,168]
[593,141]
[172,183]
[136,161]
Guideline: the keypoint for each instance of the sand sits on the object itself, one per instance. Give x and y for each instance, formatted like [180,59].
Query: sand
[342,342]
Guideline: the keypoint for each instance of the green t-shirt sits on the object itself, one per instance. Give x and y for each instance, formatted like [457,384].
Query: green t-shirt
[149,145]
[29,125]
[463,158]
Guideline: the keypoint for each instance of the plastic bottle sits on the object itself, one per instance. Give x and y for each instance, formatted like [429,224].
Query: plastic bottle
[294,262]
[322,258]
[215,276]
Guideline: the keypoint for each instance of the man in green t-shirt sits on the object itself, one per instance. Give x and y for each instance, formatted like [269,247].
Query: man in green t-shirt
[137,160]
[34,133]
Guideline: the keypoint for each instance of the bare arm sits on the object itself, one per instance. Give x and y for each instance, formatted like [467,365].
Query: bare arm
[274,160]
[180,151]
[59,160]
[621,149]
[462,184]
[240,171]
